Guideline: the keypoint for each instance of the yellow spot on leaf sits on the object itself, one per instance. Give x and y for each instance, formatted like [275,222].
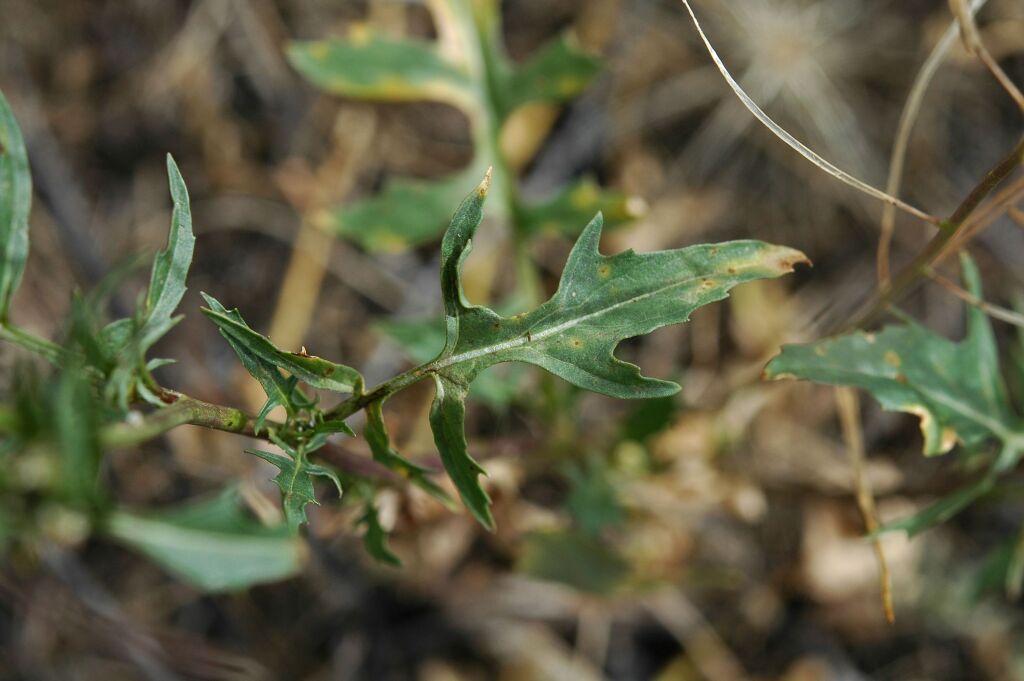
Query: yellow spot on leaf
[570,85]
[389,243]
[584,196]
[393,87]
[892,359]
[360,35]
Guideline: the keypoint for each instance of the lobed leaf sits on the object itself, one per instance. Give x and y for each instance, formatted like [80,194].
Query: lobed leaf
[314,371]
[600,301]
[212,544]
[296,483]
[955,389]
[277,388]
[15,203]
[170,266]
[371,66]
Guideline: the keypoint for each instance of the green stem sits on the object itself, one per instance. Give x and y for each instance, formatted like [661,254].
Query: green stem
[185,411]
[49,351]
[480,35]
[381,392]
[949,229]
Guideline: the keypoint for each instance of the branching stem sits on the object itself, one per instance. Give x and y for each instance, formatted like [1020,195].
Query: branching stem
[949,229]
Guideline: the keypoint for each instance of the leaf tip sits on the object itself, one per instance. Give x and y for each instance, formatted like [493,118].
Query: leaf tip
[786,259]
[485,185]
[485,518]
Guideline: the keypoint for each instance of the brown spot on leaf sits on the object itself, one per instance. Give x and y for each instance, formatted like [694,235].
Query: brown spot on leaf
[892,359]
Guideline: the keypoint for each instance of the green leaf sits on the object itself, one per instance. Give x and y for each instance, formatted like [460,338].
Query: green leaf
[600,301]
[575,559]
[277,388]
[574,206]
[314,371]
[375,539]
[560,71]
[212,544]
[447,421]
[406,214]
[380,444]
[15,203]
[75,421]
[296,483]
[955,389]
[170,267]
[592,501]
[331,427]
[942,510]
[649,418]
[374,67]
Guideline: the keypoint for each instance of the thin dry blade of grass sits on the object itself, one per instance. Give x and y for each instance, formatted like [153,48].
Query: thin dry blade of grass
[796,144]
[849,416]
[994,311]
[973,43]
[908,116]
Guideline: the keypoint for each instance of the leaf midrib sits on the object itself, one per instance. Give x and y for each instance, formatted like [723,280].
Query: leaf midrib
[531,337]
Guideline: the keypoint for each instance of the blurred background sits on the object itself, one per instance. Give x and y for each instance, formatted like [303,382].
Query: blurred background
[713,536]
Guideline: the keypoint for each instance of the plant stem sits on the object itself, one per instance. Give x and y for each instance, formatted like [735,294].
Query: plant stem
[185,411]
[49,351]
[381,392]
[948,230]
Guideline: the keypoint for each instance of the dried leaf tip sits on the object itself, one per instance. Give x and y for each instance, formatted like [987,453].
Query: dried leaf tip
[485,185]
[788,258]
